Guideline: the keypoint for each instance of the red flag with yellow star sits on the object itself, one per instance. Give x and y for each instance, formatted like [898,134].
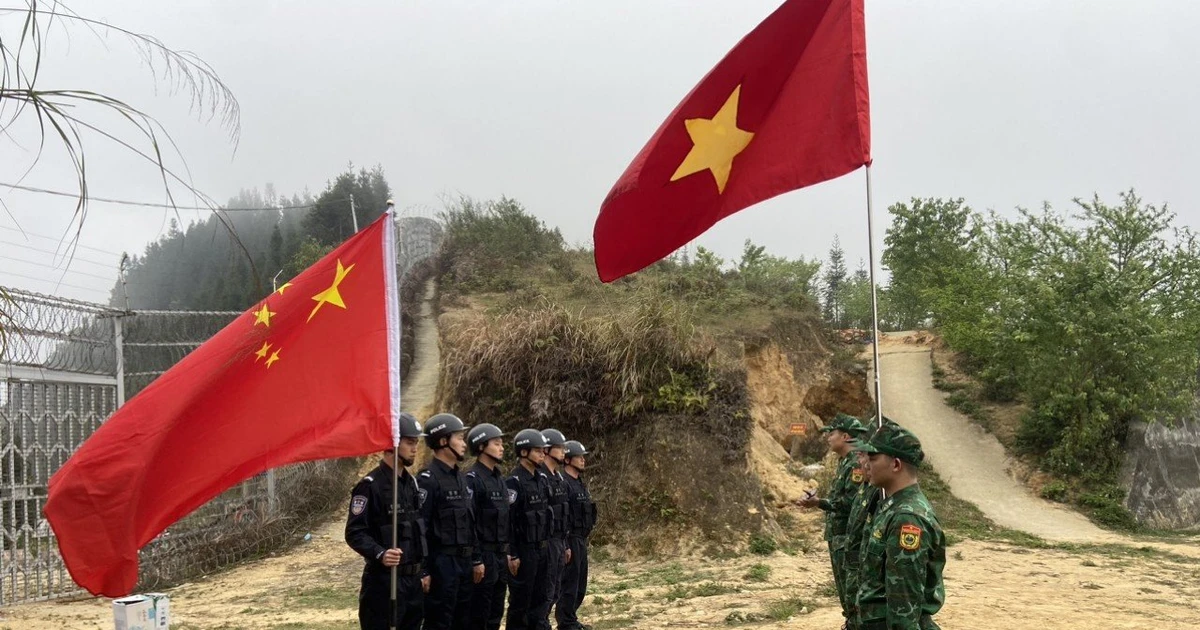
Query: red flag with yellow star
[788,107]
[310,372]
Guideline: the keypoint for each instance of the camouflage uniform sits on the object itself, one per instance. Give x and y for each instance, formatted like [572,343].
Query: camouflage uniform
[904,549]
[849,478]
[865,503]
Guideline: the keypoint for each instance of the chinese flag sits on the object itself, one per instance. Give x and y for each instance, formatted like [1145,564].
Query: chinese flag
[786,108]
[309,372]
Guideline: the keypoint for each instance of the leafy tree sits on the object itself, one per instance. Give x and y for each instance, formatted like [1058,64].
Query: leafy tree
[929,241]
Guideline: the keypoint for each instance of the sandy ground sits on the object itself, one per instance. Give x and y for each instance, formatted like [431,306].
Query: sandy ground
[988,585]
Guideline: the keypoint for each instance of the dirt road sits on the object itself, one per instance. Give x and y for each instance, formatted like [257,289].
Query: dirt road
[971,460]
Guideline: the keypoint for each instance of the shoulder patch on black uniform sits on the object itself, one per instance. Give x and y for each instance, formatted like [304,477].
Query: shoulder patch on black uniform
[422,493]
[358,504]
[512,496]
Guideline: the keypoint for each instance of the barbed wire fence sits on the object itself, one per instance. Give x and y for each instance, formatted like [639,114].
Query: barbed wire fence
[68,365]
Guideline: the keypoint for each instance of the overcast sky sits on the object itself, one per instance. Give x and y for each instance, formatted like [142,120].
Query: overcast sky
[1005,103]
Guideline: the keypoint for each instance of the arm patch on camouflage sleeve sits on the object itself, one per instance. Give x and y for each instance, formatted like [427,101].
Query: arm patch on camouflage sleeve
[910,537]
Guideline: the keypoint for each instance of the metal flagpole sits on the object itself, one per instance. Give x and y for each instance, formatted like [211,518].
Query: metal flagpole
[874,301]
[394,226]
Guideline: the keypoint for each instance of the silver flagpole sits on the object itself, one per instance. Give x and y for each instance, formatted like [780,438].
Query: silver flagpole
[394,226]
[874,301]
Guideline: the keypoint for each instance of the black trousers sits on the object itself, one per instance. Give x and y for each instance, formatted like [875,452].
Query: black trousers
[528,589]
[574,585]
[498,595]
[450,590]
[554,568]
[375,600]
[483,594]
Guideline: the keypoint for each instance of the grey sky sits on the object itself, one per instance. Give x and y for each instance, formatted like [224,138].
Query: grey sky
[1003,103]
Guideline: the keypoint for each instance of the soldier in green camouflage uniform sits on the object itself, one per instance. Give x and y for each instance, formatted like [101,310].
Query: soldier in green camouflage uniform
[861,510]
[842,433]
[904,549]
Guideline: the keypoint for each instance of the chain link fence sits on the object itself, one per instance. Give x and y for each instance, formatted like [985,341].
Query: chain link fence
[67,366]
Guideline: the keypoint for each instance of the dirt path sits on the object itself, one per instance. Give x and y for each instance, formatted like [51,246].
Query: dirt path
[312,586]
[971,460]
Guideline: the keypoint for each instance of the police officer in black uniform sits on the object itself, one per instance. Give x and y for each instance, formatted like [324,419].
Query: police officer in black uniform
[581,520]
[492,528]
[559,554]
[369,532]
[529,512]
[454,561]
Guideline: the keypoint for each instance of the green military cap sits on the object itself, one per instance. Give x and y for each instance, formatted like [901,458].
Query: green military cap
[847,423]
[893,439]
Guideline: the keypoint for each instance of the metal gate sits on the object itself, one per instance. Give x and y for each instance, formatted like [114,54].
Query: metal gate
[58,383]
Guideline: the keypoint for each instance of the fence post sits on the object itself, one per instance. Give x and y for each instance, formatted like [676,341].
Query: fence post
[272,499]
[119,345]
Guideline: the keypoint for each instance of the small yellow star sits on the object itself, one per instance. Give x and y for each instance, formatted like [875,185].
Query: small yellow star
[285,285]
[716,142]
[331,295]
[262,352]
[263,316]
[274,358]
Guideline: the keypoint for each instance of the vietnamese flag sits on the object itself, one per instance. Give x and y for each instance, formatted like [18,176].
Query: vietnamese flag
[310,372]
[788,107]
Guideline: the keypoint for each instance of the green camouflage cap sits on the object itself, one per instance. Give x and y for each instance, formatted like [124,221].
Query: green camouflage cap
[847,423]
[893,439]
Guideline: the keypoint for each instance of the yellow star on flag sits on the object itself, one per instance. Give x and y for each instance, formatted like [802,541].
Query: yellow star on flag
[263,316]
[285,285]
[262,352]
[331,295]
[715,142]
[274,358]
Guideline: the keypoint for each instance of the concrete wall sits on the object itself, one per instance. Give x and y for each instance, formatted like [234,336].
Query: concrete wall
[1162,473]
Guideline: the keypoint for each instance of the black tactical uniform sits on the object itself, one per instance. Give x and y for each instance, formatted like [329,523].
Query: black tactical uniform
[453,550]
[558,543]
[530,517]
[581,519]
[369,532]
[492,530]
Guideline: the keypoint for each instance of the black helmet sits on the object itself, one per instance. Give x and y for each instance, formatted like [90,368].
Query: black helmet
[440,426]
[528,439]
[481,434]
[409,427]
[575,449]
[554,437]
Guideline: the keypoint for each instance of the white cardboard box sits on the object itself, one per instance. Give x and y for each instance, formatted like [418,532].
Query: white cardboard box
[151,611]
[133,613]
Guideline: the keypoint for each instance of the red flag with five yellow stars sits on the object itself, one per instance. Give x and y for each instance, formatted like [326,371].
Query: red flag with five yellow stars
[788,107]
[309,372]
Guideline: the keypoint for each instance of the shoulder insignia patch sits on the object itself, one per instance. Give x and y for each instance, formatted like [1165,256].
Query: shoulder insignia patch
[910,537]
[358,504]
[512,496]
[422,493]
[857,475]
[877,534]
